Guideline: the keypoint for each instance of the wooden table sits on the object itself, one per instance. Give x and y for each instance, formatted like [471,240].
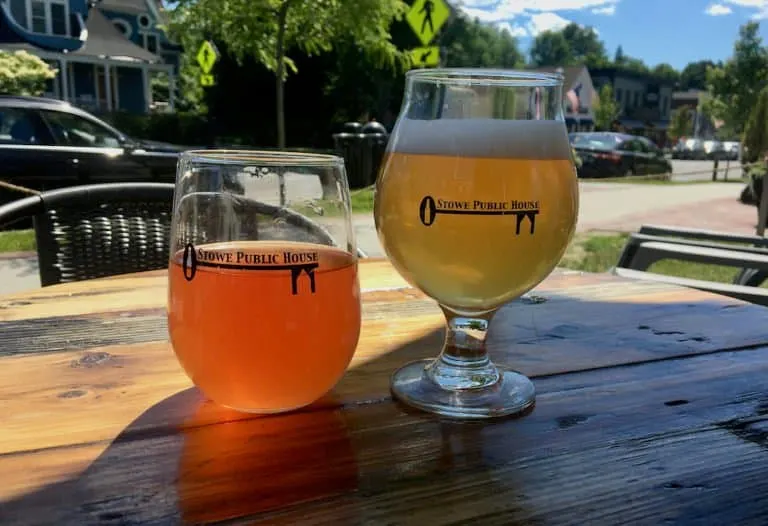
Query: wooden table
[651,409]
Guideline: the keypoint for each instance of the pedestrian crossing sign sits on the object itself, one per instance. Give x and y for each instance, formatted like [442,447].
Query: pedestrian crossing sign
[425,56]
[426,17]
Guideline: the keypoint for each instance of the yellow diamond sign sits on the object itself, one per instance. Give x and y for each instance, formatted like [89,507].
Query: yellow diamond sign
[425,56]
[207,56]
[426,17]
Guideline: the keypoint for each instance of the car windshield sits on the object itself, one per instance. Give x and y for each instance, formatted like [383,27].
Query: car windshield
[595,140]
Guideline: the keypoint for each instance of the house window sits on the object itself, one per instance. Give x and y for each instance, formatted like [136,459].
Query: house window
[123,26]
[39,19]
[48,17]
[619,95]
[19,12]
[637,99]
[150,42]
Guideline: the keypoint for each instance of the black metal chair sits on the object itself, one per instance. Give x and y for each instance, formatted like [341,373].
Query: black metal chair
[102,230]
[94,231]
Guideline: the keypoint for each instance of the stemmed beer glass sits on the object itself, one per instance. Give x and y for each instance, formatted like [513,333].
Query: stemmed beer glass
[263,297]
[475,204]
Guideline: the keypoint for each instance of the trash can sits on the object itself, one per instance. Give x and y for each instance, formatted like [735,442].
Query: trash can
[362,148]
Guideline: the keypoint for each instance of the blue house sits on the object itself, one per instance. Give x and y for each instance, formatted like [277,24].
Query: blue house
[106,54]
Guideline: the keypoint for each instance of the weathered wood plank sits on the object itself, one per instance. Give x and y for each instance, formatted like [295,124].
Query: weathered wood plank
[682,441]
[95,392]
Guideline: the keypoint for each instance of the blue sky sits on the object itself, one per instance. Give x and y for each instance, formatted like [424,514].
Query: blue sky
[673,31]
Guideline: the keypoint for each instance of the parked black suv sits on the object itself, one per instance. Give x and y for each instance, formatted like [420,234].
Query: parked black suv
[48,143]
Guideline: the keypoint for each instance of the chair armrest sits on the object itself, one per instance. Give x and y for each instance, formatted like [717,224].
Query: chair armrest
[649,253]
[626,260]
[707,235]
[751,294]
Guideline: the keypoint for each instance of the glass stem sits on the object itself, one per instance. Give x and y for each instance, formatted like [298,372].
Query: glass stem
[463,362]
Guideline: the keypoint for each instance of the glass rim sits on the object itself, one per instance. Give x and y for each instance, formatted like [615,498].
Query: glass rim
[262,157]
[495,76]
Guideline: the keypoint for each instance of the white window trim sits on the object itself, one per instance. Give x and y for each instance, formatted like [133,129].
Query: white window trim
[144,35]
[123,24]
[48,17]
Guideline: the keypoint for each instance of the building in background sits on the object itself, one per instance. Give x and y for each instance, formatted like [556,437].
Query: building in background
[578,96]
[645,102]
[703,127]
[123,55]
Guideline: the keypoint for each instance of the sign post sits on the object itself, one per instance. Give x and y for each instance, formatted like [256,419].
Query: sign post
[426,18]
[207,56]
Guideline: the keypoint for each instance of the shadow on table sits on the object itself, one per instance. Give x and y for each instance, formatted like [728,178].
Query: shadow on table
[188,460]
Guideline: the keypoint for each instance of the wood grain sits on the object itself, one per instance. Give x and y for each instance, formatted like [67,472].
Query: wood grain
[651,409]
[679,441]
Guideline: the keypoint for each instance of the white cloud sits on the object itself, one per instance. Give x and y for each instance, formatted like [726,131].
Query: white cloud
[607,10]
[718,10]
[760,5]
[504,10]
[515,31]
[546,22]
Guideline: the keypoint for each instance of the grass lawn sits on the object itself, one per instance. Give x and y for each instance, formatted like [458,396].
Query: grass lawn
[600,252]
[17,241]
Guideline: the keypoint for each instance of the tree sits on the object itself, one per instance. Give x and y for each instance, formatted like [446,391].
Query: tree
[22,73]
[618,57]
[755,138]
[269,30]
[666,73]
[681,124]
[694,75]
[607,109]
[735,87]
[586,47]
[550,48]
[470,43]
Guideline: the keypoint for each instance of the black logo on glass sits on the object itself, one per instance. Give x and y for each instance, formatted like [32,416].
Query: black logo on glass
[430,208]
[297,262]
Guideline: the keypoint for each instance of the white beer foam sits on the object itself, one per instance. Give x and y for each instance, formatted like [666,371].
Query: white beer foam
[495,138]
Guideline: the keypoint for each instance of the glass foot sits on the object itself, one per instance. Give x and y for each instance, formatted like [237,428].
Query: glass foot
[511,395]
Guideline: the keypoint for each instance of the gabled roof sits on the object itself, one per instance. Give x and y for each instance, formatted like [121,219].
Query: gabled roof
[105,40]
[570,73]
[133,7]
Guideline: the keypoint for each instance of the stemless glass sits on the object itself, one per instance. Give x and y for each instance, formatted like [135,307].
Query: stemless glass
[475,204]
[263,298]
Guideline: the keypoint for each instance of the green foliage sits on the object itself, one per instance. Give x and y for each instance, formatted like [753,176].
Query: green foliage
[681,124]
[755,138]
[250,28]
[606,108]
[470,43]
[23,73]
[185,128]
[694,75]
[570,46]
[666,73]
[734,87]
[550,48]
[272,31]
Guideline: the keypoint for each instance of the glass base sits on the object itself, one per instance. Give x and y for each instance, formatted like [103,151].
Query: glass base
[512,394]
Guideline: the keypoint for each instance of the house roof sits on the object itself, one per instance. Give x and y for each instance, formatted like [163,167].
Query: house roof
[570,73]
[125,6]
[105,40]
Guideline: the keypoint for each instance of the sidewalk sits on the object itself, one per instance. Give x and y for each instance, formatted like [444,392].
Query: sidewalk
[603,207]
